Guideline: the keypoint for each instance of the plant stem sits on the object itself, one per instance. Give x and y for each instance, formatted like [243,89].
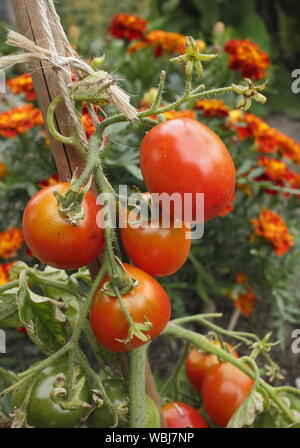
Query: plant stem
[137,395]
[242,336]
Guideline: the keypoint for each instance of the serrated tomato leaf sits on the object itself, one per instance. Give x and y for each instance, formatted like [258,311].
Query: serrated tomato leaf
[9,316]
[45,324]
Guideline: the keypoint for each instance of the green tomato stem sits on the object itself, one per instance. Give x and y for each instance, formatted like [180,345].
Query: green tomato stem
[137,394]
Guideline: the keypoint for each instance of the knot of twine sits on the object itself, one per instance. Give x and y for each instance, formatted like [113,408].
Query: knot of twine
[68,64]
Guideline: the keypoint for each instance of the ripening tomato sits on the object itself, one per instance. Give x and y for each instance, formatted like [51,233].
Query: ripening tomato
[157,250]
[147,300]
[185,156]
[52,239]
[180,415]
[224,389]
[198,362]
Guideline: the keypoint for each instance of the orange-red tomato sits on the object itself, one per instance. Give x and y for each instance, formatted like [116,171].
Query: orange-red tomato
[185,156]
[198,362]
[224,389]
[147,300]
[180,415]
[157,250]
[52,239]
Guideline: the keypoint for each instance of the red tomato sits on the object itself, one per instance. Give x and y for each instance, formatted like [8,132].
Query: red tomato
[185,156]
[157,250]
[52,239]
[224,389]
[146,300]
[198,362]
[180,415]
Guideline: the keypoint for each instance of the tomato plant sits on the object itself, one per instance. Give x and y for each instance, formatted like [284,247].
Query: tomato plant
[87,318]
[47,409]
[224,389]
[146,301]
[185,156]
[180,415]
[53,239]
[197,364]
[156,249]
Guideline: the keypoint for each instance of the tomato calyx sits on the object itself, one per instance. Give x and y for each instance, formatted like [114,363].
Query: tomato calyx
[69,399]
[138,329]
[193,58]
[248,93]
[70,203]
[124,288]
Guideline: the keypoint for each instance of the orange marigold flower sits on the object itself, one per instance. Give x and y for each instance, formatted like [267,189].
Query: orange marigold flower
[22,84]
[19,120]
[275,170]
[4,273]
[288,147]
[273,228]
[248,58]
[2,170]
[212,108]
[240,278]
[126,26]
[165,41]
[52,180]
[10,242]
[245,302]
[267,139]
[88,124]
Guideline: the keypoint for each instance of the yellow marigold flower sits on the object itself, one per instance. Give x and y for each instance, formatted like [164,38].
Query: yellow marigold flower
[246,57]
[273,228]
[212,107]
[4,272]
[22,84]
[10,242]
[19,120]
[2,170]
[126,26]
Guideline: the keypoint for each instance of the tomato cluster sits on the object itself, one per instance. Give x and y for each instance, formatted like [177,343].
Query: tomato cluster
[179,156]
[223,386]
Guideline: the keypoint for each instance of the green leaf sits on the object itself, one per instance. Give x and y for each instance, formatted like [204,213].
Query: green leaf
[246,413]
[44,322]
[9,316]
